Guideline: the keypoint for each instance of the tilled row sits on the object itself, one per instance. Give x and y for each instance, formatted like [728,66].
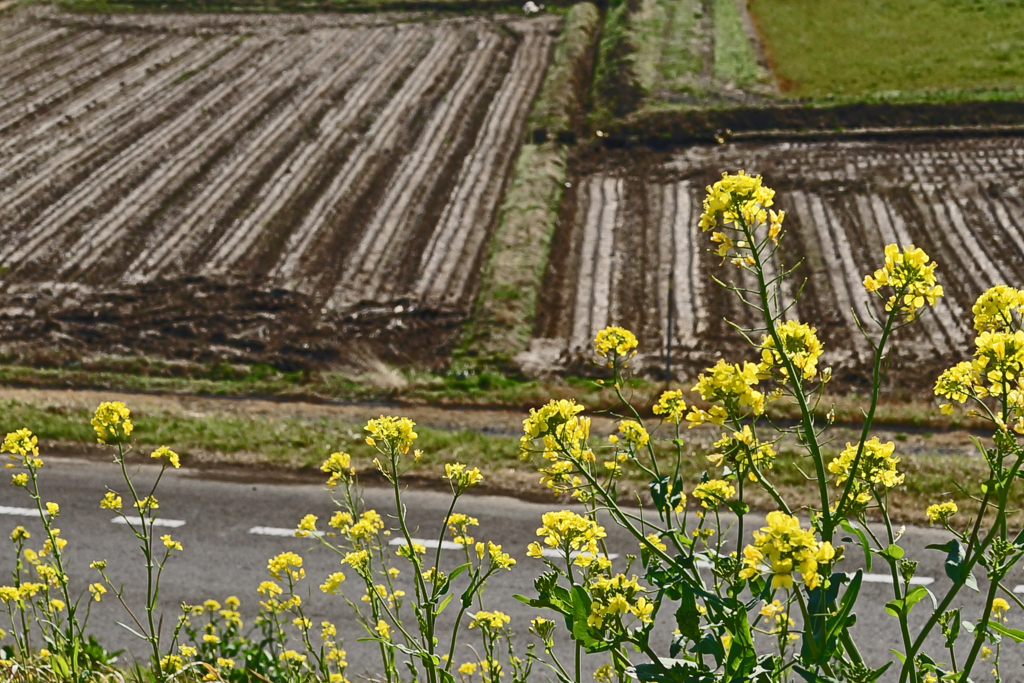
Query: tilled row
[634,255]
[359,166]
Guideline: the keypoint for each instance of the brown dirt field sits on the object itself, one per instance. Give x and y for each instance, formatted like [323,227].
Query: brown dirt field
[629,225]
[253,189]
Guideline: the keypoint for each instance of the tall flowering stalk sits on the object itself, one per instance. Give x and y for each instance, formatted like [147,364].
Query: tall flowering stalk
[790,566]
[113,426]
[365,552]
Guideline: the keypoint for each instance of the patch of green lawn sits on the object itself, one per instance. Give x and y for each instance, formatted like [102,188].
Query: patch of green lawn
[934,49]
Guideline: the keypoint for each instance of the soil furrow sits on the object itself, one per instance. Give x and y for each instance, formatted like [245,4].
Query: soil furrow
[138,161]
[366,268]
[138,205]
[367,153]
[454,249]
[189,225]
[46,134]
[122,136]
[295,170]
[92,69]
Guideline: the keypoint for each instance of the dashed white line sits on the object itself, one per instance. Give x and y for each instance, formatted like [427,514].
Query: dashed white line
[428,543]
[886,578]
[19,512]
[159,521]
[1018,589]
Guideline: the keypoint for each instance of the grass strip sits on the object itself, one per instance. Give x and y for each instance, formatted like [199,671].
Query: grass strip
[734,59]
[301,444]
[616,91]
[502,324]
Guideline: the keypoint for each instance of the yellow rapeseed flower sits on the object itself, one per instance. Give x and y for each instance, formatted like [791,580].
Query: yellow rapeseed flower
[165,453]
[111,501]
[941,512]
[493,621]
[112,422]
[911,277]
[170,543]
[801,346]
[782,548]
[22,442]
[671,406]
[339,466]
[713,493]
[614,342]
[97,590]
[287,564]
[392,432]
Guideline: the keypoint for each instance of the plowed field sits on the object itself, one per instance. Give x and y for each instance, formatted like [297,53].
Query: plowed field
[253,188]
[632,223]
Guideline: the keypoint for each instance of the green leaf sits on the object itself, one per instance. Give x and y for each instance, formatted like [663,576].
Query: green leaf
[863,541]
[666,671]
[1016,634]
[905,604]
[444,603]
[893,551]
[687,617]
[738,507]
[955,556]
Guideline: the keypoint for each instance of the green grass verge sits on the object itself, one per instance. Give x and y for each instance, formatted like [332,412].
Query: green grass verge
[894,50]
[668,52]
[301,444]
[506,305]
[467,387]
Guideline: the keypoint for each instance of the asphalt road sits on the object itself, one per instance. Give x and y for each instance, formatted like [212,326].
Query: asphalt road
[224,557]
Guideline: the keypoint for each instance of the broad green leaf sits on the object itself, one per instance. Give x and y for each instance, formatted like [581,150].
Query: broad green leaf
[848,526]
[1016,634]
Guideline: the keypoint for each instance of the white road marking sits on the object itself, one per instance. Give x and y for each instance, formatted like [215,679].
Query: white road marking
[1018,589]
[558,554]
[280,531]
[428,543]
[886,578]
[159,521]
[19,512]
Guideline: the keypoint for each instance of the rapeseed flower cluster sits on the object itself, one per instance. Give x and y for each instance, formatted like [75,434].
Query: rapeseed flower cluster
[614,600]
[393,433]
[998,310]
[740,203]
[568,532]
[112,422]
[940,513]
[461,477]
[492,621]
[286,564]
[799,343]
[781,549]
[671,406]
[911,277]
[633,434]
[997,369]
[877,464]
[731,386]
[458,525]
[615,343]
[713,492]
[339,466]
[563,435]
